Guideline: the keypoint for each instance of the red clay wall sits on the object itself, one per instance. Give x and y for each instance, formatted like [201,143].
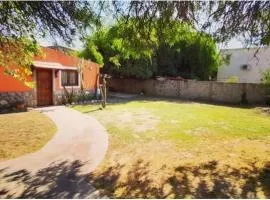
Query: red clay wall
[90,75]
[52,55]
[90,71]
[9,84]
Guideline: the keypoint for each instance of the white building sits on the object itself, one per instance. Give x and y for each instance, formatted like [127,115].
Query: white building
[245,65]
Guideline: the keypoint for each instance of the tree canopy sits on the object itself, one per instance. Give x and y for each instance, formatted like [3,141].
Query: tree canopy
[174,50]
[224,20]
[21,23]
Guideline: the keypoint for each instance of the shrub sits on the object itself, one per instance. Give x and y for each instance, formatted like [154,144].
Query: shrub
[84,96]
[266,83]
[68,96]
[266,78]
[232,79]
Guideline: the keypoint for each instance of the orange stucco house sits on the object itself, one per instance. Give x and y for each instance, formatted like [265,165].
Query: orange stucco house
[50,72]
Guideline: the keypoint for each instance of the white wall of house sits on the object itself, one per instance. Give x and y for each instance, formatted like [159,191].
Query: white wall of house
[239,57]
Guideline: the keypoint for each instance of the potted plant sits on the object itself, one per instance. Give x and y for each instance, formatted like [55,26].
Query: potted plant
[20,105]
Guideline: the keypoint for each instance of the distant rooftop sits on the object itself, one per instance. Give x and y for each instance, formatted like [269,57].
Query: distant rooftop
[247,48]
[62,48]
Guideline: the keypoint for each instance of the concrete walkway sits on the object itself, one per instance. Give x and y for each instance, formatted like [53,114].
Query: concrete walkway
[61,168]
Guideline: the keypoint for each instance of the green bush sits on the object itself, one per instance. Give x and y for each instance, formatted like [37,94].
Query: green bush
[232,79]
[84,96]
[266,78]
[266,83]
[69,96]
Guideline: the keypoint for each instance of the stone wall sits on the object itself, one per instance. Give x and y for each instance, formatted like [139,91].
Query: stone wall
[58,94]
[9,100]
[193,90]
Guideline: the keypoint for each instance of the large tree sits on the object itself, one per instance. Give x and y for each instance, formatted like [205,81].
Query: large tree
[21,23]
[121,50]
[176,49]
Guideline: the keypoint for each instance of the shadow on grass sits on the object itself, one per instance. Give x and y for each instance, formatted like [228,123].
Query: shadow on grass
[10,111]
[114,100]
[212,182]
[92,110]
[59,180]
[63,180]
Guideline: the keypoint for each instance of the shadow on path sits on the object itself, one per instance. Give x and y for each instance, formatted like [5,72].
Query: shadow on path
[59,180]
[63,180]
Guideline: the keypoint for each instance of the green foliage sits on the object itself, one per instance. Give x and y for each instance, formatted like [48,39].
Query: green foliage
[225,59]
[96,46]
[266,78]
[187,53]
[119,55]
[57,18]
[84,96]
[220,18]
[266,83]
[69,96]
[175,50]
[232,79]
[18,52]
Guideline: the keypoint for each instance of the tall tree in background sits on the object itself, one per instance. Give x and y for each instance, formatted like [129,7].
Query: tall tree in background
[176,49]
[21,23]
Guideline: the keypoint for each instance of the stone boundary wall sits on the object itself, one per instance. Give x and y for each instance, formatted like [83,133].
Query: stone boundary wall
[9,100]
[192,90]
[58,94]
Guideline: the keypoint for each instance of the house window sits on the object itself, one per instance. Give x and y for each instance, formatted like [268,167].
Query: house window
[69,78]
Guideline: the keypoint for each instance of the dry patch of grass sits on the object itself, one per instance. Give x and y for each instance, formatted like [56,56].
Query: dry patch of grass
[191,150]
[139,120]
[22,133]
[162,169]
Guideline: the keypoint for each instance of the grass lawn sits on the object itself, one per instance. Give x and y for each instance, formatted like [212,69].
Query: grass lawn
[173,149]
[22,133]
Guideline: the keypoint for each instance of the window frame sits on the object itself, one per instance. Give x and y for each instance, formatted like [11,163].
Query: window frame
[74,86]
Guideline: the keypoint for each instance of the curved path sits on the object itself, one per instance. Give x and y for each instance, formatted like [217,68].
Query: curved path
[61,168]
